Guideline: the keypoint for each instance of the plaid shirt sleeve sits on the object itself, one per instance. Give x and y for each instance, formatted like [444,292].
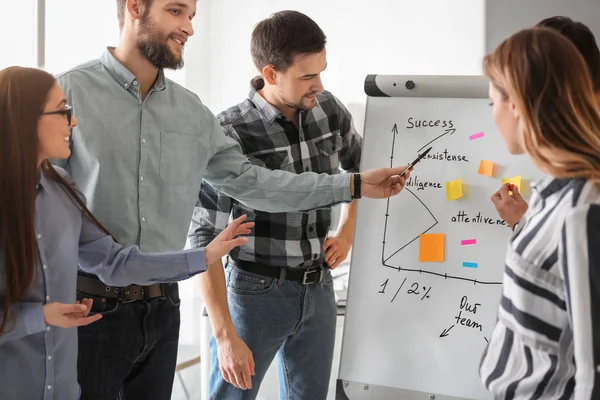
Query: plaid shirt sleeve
[210,217]
[352,142]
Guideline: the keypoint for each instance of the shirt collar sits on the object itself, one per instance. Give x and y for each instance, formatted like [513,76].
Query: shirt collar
[269,111]
[42,184]
[125,77]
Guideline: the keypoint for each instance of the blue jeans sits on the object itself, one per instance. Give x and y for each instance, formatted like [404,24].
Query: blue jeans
[285,318]
[130,353]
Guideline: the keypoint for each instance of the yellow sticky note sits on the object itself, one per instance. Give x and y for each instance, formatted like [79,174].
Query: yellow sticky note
[486,168]
[454,189]
[515,180]
[431,247]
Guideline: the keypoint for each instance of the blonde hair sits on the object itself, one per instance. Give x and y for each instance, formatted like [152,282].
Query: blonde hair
[546,77]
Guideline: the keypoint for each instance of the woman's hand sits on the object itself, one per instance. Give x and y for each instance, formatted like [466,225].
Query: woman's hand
[69,315]
[227,240]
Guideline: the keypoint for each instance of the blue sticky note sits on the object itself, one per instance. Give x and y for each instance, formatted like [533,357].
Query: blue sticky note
[469,265]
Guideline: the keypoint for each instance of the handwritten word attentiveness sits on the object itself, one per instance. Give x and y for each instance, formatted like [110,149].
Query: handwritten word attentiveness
[414,181]
[424,123]
[463,217]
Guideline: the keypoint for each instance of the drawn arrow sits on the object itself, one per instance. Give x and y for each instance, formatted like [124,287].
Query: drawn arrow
[445,332]
[395,129]
[446,132]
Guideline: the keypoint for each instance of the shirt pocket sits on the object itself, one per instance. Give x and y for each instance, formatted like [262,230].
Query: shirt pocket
[328,156]
[278,159]
[177,152]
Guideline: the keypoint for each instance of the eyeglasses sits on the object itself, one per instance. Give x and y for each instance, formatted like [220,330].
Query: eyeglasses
[67,111]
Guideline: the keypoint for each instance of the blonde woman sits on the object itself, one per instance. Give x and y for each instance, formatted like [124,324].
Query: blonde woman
[546,343]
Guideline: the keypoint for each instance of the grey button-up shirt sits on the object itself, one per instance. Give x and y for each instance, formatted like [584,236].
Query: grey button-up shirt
[38,361]
[140,162]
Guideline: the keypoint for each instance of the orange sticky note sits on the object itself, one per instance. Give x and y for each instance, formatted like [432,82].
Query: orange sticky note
[454,189]
[431,247]
[515,180]
[486,168]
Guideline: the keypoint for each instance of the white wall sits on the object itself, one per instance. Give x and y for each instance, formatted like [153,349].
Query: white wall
[379,36]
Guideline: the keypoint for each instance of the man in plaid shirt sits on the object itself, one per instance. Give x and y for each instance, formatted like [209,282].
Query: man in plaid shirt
[280,289]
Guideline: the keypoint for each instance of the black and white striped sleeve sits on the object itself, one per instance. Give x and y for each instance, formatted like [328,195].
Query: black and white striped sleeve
[579,257]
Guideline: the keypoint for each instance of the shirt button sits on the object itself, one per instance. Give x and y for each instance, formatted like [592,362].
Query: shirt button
[47,298]
[307,169]
[142,178]
[144,141]
[44,266]
[39,235]
[49,357]
[311,229]
[135,83]
[143,219]
[48,328]
[126,84]
[49,387]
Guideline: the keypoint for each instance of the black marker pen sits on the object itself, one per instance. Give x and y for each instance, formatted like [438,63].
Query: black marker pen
[412,164]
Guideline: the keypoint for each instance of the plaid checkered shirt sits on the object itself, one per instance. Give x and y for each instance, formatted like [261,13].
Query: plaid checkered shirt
[325,141]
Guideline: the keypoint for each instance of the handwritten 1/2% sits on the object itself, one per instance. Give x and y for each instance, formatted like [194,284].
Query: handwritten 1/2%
[415,289]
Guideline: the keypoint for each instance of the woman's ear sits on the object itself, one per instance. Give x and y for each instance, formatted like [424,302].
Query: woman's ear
[514,109]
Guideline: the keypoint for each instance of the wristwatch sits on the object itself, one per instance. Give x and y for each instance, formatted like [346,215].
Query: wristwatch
[357,194]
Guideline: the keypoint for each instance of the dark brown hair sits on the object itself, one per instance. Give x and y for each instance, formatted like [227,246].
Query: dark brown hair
[283,36]
[583,38]
[23,95]
[546,77]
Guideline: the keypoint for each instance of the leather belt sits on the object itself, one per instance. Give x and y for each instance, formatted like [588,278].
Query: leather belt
[305,276]
[94,286]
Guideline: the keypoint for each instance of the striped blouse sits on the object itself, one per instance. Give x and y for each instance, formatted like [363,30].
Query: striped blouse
[546,343]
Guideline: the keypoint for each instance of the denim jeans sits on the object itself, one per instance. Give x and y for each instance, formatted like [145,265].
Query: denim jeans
[285,318]
[130,354]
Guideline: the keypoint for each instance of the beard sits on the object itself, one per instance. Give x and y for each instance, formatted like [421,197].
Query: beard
[155,48]
[300,105]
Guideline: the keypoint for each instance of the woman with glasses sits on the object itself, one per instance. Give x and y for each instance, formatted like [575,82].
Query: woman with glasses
[46,231]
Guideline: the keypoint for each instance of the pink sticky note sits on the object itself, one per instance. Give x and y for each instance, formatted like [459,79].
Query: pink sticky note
[476,136]
[468,242]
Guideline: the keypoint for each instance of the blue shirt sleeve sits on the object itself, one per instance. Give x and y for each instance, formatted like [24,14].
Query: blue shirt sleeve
[116,265]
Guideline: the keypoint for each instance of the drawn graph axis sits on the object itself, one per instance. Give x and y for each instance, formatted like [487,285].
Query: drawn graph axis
[385,260]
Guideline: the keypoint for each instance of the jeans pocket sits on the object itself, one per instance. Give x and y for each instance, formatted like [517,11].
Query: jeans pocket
[100,305]
[327,278]
[173,300]
[246,283]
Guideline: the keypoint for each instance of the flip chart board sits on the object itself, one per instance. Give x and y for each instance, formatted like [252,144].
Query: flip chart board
[427,265]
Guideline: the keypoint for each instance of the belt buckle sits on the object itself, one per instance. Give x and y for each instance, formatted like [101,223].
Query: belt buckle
[310,271]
